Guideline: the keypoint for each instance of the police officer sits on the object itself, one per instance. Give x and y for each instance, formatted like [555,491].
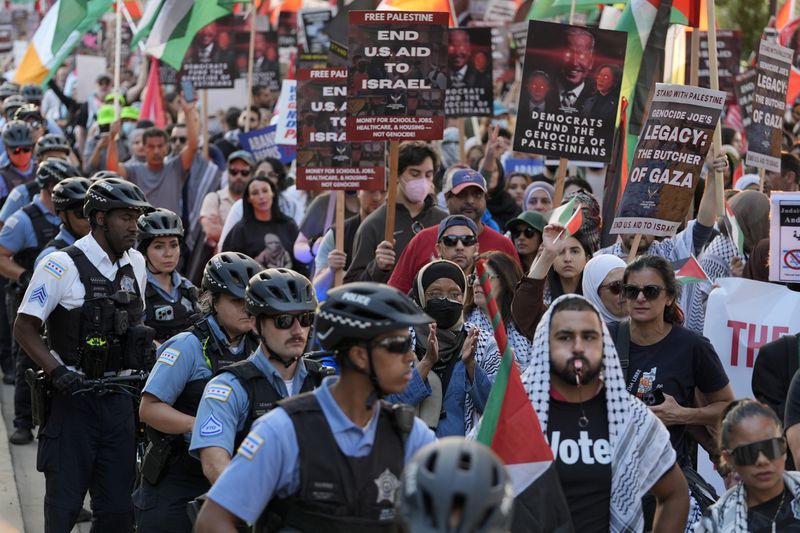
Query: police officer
[68,197]
[25,235]
[331,460]
[171,299]
[17,165]
[171,477]
[90,297]
[282,304]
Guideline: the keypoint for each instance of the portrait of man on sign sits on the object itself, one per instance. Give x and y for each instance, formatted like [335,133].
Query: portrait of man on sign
[574,83]
[463,71]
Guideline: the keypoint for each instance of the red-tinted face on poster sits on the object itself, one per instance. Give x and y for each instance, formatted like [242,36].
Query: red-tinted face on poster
[578,57]
[459,49]
[538,86]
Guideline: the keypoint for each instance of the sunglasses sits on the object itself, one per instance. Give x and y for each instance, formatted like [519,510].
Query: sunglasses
[747,454]
[22,150]
[237,172]
[615,287]
[528,231]
[452,240]
[78,213]
[395,344]
[650,292]
[181,140]
[286,321]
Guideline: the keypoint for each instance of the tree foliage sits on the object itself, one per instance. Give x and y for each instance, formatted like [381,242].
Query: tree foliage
[748,16]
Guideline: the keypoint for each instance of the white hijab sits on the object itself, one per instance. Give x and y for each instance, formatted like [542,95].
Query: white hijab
[594,273]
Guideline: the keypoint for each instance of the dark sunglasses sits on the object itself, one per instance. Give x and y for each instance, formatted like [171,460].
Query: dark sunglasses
[181,140]
[650,292]
[452,240]
[237,172]
[286,321]
[396,344]
[615,287]
[528,231]
[78,213]
[747,454]
[22,150]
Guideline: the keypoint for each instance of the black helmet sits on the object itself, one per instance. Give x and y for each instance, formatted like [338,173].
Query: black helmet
[229,272]
[104,174]
[28,112]
[70,193]
[114,193]
[11,104]
[17,133]
[363,311]
[450,475]
[52,141]
[8,89]
[279,290]
[54,170]
[32,93]
[159,223]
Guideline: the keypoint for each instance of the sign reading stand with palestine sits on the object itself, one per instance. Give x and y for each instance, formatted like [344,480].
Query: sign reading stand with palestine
[668,159]
[765,132]
[392,58]
[325,160]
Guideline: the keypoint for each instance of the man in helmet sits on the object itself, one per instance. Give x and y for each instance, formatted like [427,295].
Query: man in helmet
[284,472]
[90,297]
[185,364]
[68,197]
[282,304]
[17,141]
[52,145]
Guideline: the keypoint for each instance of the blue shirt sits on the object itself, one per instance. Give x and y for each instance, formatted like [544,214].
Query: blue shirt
[16,199]
[64,235]
[6,164]
[267,464]
[224,408]
[17,233]
[173,297]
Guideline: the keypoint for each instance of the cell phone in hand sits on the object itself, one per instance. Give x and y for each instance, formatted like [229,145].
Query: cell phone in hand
[187,88]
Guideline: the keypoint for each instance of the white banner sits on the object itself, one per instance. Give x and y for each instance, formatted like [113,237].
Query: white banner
[286,109]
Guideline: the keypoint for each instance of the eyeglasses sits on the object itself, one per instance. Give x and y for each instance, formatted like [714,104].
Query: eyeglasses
[747,454]
[22,150]
[615,287]
[181,140]
[650,292]
[286,321]
[395,344]
[452,240]
[528,231]
[238,172]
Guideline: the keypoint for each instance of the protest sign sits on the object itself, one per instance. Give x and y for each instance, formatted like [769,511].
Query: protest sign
[325,159]
[287,29]
[502,64]
[728,53]
[210,62]
[316,40]
[337,55]
[392,57]
[286,109]
[784,237]
[531,167]
[469,86]
[570,91]
[745,87]
[668,159]
[261,143]
[765,133]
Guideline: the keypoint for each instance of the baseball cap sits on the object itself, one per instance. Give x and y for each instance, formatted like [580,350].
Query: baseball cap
[129,113]
[244,155]
[106,115]
[461,179]
[533,219]
[456,220]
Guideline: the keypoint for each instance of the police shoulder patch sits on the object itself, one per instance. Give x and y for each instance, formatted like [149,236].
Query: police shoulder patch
[250,446]
[39,295]
[54,268]
[211,426]
[218,392]
[169,356]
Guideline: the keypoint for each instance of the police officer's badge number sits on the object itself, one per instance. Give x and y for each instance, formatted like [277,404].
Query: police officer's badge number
[387,484]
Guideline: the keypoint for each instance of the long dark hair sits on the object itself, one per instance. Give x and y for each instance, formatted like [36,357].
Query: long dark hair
[509,273]
[673,314]
[554,280]
[248,213]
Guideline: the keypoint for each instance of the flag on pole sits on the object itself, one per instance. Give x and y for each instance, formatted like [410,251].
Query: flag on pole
[153,104]
[785,15]
[616,175]
[56,37]
[734,230]
[563,214]
[417,5]
[687,12]
[688,271]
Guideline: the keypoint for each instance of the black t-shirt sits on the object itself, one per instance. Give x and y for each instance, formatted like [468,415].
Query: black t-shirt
[759,517]
[271,243]
[676,364]
[583,460]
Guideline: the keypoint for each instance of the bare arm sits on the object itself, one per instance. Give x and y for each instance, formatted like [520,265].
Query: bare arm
[192,134]
[214,460]
[112,157]
[26,332]
[213,518]
[672,502]
[135,92]
[8,268]
[212,228]
[793,438]
[164,417]
[707,212]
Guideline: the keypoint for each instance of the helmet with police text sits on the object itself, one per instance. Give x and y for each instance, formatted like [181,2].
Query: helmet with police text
[104,174]
[114,193]
[54,170]
[51,142]
[70,193]
[361,311]
[229,273]
[455,485]
[17,134]
[32,93]
[279,290]
[158,223]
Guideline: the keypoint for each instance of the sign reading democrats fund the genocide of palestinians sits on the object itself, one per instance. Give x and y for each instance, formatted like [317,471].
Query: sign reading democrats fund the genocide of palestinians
[668,159]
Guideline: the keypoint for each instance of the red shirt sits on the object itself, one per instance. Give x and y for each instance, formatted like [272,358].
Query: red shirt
[422,249]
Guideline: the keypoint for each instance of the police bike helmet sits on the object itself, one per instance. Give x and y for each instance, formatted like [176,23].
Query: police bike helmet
[51,141]
[11,104]
[28,112]
[7,89]
[32,93]
[158,223]
[457,478]
[17,134]
[104,174]
[229,273]
[70,193]
[114,193]
[54,170]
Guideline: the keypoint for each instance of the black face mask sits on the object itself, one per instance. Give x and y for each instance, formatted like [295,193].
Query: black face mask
[445,312]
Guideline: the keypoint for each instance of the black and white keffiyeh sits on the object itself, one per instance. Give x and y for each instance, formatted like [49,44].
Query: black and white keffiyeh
[641,452]
[519,342]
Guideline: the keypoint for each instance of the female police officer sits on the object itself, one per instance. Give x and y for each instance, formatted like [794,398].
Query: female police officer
[186,362]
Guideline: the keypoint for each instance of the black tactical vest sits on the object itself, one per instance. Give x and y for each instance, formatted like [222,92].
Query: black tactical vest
[166,317]
[44,232]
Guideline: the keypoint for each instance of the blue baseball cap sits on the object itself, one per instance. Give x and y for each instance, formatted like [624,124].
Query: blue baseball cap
[461,179]
[456,220]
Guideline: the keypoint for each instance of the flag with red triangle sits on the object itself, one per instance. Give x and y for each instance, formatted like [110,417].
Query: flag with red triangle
[688,271]
[734,231]
[153,104]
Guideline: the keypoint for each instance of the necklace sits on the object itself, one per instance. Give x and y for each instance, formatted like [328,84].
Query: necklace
[778,510]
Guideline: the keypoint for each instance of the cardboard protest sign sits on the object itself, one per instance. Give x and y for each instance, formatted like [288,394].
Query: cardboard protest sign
[286,109]
[261,143]
[394,92]
[210,62]
[531,167]
[469,86]
[325,159]
[745,88]
[766,128]
[287,29]
[784,237]
[316,38]
[570,91]
[502,64]
[668,159]
[728,53]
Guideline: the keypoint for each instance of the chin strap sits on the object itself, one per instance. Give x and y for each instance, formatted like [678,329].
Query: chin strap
[377,393]
[272,355]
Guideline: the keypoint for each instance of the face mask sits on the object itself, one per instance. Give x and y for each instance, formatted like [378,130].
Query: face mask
[416,190]
[445,312]
[128,127]
[503,123]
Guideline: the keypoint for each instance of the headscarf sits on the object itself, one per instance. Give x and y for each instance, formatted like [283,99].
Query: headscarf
[537,186]
[592,220]
[641,451]
[745,181]
[594,273]
[751,209]
[441,268]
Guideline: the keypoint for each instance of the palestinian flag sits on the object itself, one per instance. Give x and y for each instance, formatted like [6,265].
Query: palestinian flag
[689,13]
[153,104]
[569,215]
[734,231]
[688,271]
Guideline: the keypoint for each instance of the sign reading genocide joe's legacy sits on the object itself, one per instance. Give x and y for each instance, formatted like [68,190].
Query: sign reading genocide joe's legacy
[668,159]
[570,91]
[469,87]
[394,91]
[325,160]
